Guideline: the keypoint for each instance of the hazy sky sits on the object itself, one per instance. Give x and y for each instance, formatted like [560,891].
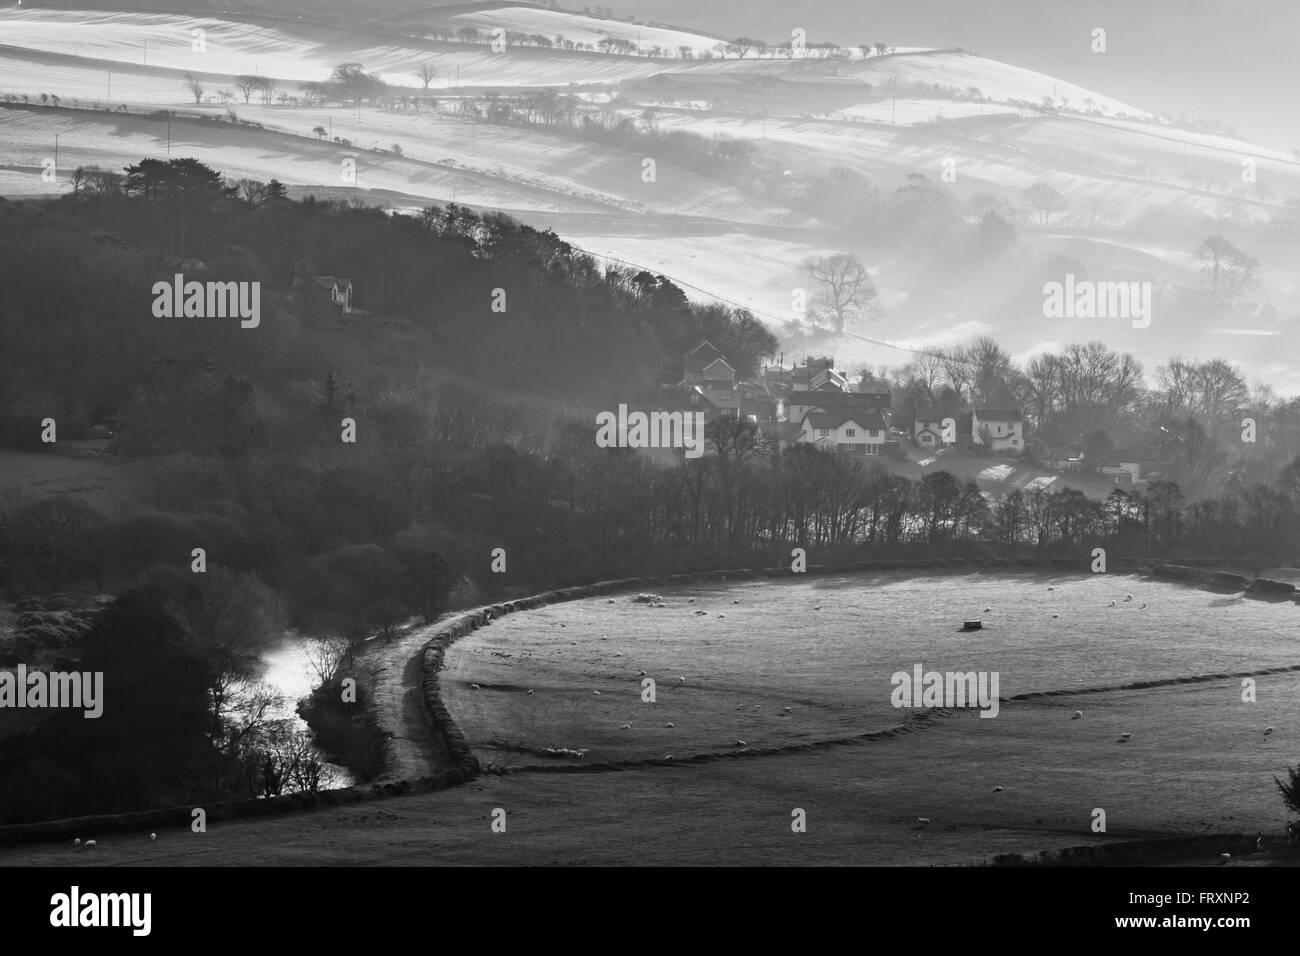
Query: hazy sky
[1234,61]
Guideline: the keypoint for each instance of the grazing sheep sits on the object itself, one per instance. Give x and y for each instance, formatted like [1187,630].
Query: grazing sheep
[475,687]
[1126,736]
[987,609]
[735,602]
[1128,597]
[1051,589]
[1225,856]
[640,674]
[923,821]
[1056,615]
[997,789]
[618,653]
[681,680]
[1267,731]
[741,743]
[91,844]
[691,601]
[722,615]
[668,756]
[669,724]
[1112,603]
[625,727]
[596,692]
[610,601]
[1144,604]
[788,709]
[530,691]
[1077,715]
[817,608]
[152,837]
[77,842]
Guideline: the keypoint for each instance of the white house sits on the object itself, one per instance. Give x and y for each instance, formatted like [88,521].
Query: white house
[340,291]
[927,426]
[846,432]
[999,429]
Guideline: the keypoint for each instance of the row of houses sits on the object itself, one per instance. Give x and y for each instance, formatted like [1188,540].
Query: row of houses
[815,404]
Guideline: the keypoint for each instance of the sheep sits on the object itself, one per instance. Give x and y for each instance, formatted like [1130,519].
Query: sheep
[640,674]
[91,844]
[670,724]
[691,601]
[668,756]
[530,692]
[1267,731]
[681,680]
[77,842]
[625,727]
[741,743]
[1077,715]
[817,608]
[475,687]
[987,609]
[1112,603]
[997,789]
[618,653]
[923,822]
[1051,589]
[1144,604]
[1128,597]
[722,615]
[788,709]
[735,602]
[1056,616]
[1126,736]
[152,837]
[596,692]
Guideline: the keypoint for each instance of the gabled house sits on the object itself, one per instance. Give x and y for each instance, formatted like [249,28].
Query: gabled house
[998,429]
[927,426]
[846,432]
[705,366]
[334,290]
[799,403]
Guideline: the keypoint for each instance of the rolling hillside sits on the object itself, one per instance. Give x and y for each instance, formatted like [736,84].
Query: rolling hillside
[983,128]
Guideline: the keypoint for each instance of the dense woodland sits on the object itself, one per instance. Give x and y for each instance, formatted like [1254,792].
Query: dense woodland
[474,432]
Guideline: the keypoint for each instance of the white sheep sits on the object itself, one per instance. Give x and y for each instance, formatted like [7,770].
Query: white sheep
[596,692]
[1056,615]
[923,821]
[681,680]
[77,842]
[475,687]
[1267,731]
[152,837]
[91,844]
[1077,715]
[670,724]
[530,692]
[997,789]
[741,743]
[625,727]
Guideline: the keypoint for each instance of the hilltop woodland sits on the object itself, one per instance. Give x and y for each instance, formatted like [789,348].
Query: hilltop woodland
[474,431]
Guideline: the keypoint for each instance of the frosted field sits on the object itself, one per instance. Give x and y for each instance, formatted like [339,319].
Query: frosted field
[1197,762]
[826,647]
[582,29]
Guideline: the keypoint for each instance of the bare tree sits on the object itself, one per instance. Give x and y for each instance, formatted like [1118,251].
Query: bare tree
[1045,199]
[1225,268]
[194,86]
[426,73]
[846,286]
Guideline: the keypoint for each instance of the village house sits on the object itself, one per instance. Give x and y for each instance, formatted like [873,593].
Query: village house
[927,426]
[845,432]
[706,367]
[998,429]
[331,290]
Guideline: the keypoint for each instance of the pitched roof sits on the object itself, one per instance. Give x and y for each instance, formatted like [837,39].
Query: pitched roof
[999,414]
[835,419]
[329,282]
